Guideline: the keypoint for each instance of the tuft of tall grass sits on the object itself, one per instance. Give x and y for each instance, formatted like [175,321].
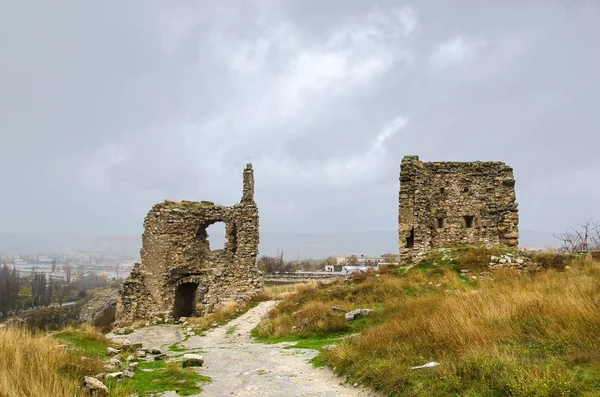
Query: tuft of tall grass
[33,364]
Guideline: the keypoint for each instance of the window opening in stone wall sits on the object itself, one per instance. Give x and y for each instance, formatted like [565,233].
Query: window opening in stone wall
[410,240]
[469,221]
[442,190]
[216,235]
[441,222]
[465,189]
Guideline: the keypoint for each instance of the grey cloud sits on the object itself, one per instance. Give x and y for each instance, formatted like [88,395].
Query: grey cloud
[108,107]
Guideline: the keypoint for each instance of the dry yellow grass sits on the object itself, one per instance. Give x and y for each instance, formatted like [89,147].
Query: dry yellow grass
[32,365]
[286,290]
[513,334]
[35,364]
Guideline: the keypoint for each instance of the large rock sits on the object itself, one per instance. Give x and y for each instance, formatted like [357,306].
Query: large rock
[94,387]
[192,360]
[358,313]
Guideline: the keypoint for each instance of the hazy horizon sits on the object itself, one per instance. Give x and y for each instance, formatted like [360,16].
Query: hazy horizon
[293,245]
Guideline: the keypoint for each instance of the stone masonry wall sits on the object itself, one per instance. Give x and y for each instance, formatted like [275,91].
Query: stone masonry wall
[178,265]
[450,203]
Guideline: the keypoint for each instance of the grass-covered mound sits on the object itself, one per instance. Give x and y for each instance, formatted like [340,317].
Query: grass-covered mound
[505,334]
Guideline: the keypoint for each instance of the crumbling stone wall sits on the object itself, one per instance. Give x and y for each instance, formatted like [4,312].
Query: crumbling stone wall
[178,265]
[443,204]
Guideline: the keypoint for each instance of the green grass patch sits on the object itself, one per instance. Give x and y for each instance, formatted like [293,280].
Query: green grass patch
[175,347]
[90,348]
[231,330]
[165,377]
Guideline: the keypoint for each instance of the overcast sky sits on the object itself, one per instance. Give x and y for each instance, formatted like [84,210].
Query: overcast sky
[107,107]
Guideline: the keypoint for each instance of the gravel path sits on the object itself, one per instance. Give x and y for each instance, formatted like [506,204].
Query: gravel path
[240,367]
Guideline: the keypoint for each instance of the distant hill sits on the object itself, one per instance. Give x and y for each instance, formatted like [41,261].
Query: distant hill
[293,245]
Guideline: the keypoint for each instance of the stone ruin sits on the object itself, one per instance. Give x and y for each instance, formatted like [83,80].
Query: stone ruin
[444,204]
[179,269]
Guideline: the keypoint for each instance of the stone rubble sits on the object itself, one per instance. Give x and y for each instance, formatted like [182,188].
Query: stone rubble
[510,261]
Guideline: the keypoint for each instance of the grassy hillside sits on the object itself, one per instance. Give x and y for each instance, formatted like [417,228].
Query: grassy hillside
[503,334]
[36,364]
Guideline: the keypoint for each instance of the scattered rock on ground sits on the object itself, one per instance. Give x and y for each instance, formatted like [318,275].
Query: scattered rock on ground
[154,350]
[124,331]
[115,362]
[114,375]
[130,347]
[94,386]
[161,356]
[132,366]
[192,360]
[354,314]
[337,309]
[110,367]
[111,352]
[127,373]
[141,353]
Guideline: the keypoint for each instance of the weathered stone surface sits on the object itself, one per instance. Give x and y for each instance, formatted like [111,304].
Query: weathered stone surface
[115,362]
[160,357]
[354,314]
[140,353]
[94,387]
[114,375]
[179,268]
[124,331]
[110,367]
[127,374]
[132,366]
[519,263]
[443,204]
[155,350]
[192,360]
[111,352]
[130,347]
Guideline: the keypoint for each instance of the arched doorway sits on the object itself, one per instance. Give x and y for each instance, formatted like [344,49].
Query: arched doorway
[185,300]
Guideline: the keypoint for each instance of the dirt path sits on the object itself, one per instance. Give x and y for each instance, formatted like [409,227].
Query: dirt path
[240,367]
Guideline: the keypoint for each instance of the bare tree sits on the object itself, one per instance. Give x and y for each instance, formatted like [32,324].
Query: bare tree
[584,237]
[62,290]
[67,268]
[9,289]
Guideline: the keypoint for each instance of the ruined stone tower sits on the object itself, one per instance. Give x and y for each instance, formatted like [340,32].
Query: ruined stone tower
[449,203]
[180,269]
